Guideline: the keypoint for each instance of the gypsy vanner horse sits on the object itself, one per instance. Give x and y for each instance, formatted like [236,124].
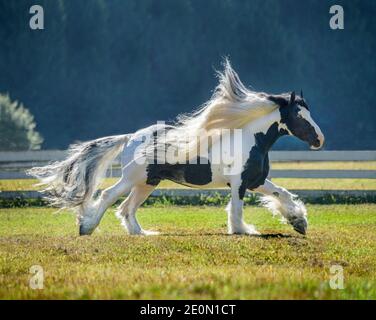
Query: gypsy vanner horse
[262,118]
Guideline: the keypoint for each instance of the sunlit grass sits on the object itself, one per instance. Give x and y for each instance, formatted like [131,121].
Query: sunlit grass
[326,184]
[324,165]
[192,258]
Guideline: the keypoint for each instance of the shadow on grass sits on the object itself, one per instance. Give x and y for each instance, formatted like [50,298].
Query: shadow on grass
[265,236]
[277,235]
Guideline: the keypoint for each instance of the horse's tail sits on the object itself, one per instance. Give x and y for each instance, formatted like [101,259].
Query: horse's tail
[71,183]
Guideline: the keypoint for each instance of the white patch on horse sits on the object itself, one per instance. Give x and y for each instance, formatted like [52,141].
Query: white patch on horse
[305,114]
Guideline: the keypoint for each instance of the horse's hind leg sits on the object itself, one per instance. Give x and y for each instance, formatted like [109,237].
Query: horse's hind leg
[93,214]
[127,210]
[132,174]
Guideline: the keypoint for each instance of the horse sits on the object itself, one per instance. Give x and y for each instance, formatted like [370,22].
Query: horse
[252,121]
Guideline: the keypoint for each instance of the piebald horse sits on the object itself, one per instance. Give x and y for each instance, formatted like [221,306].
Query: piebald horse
[253,122]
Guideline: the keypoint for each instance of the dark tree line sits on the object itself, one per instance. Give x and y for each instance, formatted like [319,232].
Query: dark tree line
[107,67]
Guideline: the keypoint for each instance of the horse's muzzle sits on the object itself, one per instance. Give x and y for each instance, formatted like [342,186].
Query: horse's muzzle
[318,143]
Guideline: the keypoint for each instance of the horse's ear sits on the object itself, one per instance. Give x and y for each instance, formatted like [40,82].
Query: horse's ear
[292,97]
[301,93]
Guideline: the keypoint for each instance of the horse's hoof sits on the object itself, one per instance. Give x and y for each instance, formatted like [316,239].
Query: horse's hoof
[300,230]
[300,225]
[85,231]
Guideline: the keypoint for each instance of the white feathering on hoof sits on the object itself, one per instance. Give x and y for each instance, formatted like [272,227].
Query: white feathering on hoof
[291,208]
[240,227]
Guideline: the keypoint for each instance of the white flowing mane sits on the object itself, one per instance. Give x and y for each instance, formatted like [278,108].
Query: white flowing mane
[231,106]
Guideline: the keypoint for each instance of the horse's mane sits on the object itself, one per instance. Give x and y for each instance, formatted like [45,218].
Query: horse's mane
[231,106]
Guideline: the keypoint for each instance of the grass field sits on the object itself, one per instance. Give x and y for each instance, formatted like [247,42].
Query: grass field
[324,165]
[192,258]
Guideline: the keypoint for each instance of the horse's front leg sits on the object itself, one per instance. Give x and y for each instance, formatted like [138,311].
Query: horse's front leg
[280,201]
[236,224]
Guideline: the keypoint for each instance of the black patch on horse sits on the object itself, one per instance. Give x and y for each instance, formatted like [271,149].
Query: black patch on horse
[283,100]
[256,169]
[196,173]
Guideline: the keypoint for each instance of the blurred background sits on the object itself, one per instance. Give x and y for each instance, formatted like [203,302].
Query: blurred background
[108,67]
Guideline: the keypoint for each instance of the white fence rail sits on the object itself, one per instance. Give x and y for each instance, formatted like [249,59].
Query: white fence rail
[363,155]
[13,164]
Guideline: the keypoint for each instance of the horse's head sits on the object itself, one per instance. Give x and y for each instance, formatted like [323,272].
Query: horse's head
[297,121]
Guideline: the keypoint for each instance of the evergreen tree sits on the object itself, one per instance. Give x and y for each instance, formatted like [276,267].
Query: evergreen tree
[17,127]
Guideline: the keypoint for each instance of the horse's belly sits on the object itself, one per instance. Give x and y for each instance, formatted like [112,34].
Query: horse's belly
[203,179]
[200,175]
[210,185]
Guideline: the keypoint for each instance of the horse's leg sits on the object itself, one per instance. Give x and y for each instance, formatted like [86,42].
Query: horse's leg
[132,174]
[93,214]
[127,210]
[236,224]
[280,201]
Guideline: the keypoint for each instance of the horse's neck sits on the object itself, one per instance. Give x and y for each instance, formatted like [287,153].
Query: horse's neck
[266,130]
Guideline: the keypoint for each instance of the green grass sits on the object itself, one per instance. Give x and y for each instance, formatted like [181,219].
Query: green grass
[289,183]
[324,165]
[192,258]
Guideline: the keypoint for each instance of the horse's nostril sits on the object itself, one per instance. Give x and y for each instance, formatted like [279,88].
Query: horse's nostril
[316,144]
